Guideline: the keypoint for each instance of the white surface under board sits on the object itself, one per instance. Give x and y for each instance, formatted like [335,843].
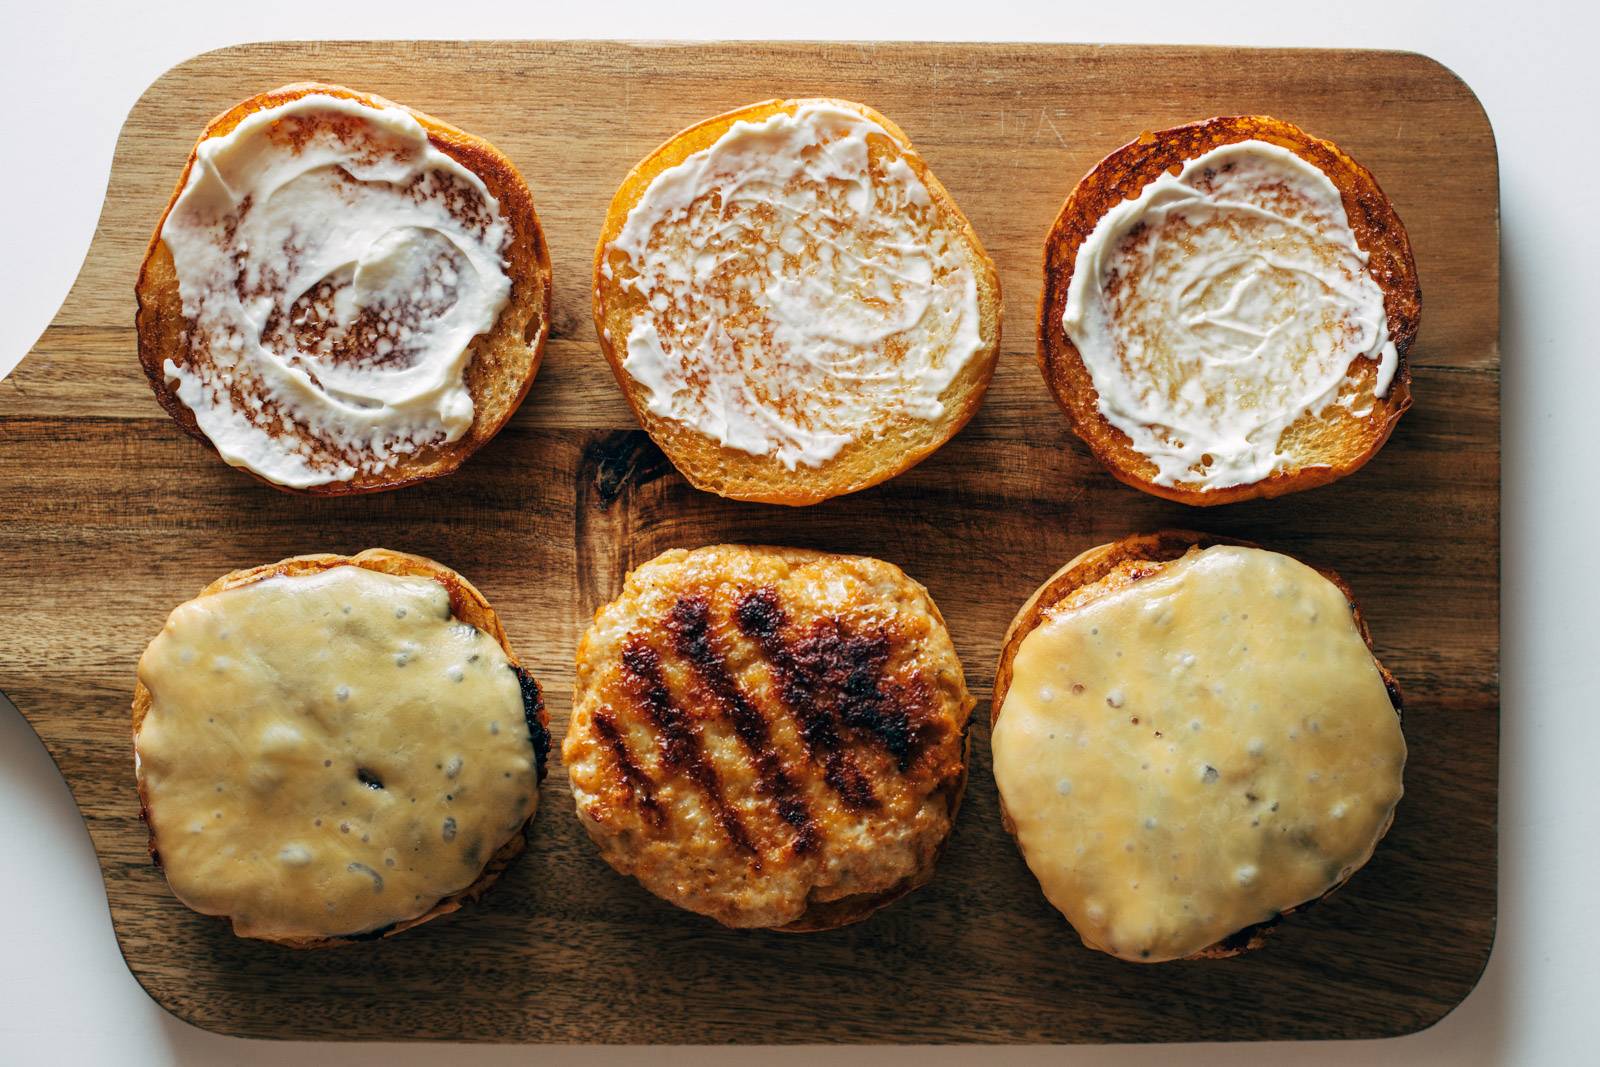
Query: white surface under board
[70,69]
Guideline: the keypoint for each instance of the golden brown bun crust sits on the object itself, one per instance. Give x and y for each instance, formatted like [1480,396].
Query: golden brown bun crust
[1343,442]
[466,604]
[745,620]
[729,472]
[1101,570]
[504,361]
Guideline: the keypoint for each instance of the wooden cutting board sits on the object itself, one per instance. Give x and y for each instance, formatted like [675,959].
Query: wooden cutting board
[111,517]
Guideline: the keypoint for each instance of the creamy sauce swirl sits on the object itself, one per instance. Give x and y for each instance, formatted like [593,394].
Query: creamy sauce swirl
[334,267]
[798,294]
[1221,305]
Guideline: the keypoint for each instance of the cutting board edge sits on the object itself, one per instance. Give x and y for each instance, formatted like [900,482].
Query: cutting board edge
[245,49]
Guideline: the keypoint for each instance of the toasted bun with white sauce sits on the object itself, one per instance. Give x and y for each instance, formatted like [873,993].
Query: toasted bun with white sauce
[344,295]
[1192,738]
[792,303]
[770,737]
[1226,311]
[333,749]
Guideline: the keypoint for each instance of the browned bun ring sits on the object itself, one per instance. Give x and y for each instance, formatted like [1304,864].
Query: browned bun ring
[503,361]
[1325,447]
[864,461]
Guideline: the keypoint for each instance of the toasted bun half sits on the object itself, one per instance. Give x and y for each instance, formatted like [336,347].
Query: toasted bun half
[772,737]
[889,444]
[1321,448]
[467,605]
[501,363]
[1107,568]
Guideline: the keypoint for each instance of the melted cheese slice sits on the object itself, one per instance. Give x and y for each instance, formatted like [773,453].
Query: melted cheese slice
[329,754]
[1197,752]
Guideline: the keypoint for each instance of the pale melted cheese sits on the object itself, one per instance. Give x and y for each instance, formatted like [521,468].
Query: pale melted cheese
[798,295]
[1220,306]
[1197,752]
[329,754]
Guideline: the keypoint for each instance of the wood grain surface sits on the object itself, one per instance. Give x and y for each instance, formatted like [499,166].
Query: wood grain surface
[111,517]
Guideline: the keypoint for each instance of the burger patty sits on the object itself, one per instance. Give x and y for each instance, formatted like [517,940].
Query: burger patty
[758,733]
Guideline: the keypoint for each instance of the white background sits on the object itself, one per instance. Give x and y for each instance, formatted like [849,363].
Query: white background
[70,69]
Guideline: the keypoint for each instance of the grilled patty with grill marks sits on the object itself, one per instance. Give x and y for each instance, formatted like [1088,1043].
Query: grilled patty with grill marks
[771,737]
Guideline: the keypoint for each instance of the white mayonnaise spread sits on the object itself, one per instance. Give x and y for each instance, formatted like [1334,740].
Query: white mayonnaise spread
[799,295]
[1221,305]
[334,267]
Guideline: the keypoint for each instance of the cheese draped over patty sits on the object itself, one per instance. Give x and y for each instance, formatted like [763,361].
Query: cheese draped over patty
[329,754]
[1197,751]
